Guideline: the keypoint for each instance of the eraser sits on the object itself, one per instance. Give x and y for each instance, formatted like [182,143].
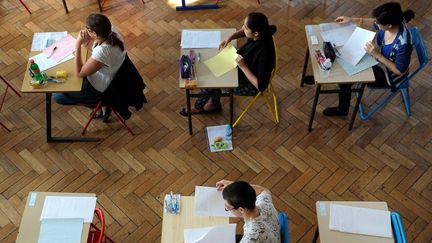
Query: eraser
[314,40]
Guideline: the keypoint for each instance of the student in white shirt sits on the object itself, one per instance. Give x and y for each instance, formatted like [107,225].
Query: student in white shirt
[108,54]
[254,204]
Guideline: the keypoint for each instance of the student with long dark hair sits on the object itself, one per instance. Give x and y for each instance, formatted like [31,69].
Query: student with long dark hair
[254,204]
[108,54]
[256,61]
[393,50]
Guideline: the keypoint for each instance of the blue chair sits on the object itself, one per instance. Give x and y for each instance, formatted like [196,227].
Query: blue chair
[403,85]
[284,229]
[398,229]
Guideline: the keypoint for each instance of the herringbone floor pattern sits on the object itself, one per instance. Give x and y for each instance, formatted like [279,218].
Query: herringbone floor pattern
[387,158]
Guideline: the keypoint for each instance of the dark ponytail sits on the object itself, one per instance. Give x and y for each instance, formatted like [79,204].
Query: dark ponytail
[101,25]
[258,22]
[408,15]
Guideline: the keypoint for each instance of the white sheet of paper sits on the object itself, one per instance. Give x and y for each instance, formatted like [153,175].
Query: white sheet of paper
[216,234]
[60,207]
[353,50]
[60,230]
[360,220]
[42,40]
[209,202]
[337,34]
[200,39]
[46,63]
[366,62]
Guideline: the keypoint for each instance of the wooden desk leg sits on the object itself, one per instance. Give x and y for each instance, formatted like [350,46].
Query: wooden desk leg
[231,106]
[65,6]
[353,116]
[317,92]
[188,104]
[315,239]
[305,67]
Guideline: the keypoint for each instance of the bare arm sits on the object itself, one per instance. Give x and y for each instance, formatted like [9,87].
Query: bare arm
[91,66]
[224,183]
[238,34]
[359,21]
[371,49]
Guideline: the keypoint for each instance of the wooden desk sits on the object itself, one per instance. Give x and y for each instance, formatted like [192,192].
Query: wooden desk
[337,76]
[206,79]
[173,225]
[30,222]
[72,84]
[330,236]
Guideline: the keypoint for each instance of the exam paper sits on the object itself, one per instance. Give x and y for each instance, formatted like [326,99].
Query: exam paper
[366,62]
[65,207]
[200,39]
[360,220]
[353,50]
[46,63]
[223,62]
[337,34]
[60,230]
[209,202]
[216,234]
[61,49]
[42,40]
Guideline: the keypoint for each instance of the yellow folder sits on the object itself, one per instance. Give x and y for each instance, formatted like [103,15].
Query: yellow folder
[223,62]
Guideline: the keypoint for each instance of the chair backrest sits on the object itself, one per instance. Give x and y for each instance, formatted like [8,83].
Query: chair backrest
[398,229]
[97,235]
[421,50]
[284,229]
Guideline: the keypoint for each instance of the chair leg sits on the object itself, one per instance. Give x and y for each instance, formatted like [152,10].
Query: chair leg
[123,122]
[25,6]
[276,111]
[5,127]
[98,108]
[382,103]
[258,1]
[406,99]
[247,108]
[269,106]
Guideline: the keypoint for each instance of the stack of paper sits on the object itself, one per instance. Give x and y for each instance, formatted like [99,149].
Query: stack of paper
[200,39]
[360,220]
[209,202]
[61,207]
[366,62]
[337,34]
[61,49]
[60,230]
[42,40]
[216,234]
[353,50]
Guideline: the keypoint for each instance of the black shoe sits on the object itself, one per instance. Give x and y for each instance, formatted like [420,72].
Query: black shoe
[106,115]
[335,111]
[309,79]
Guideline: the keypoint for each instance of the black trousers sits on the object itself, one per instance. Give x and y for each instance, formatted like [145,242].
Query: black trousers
[345,97]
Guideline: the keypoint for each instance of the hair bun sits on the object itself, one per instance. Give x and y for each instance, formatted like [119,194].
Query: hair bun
[408,15]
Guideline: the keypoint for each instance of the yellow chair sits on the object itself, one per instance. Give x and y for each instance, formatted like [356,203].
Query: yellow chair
[268,94]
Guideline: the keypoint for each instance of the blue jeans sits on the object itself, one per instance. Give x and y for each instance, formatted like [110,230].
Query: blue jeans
[87,96]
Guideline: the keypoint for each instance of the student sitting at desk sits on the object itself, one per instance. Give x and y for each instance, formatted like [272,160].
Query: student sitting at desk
[393,52]
[108,54]
[256,61]
[260,216]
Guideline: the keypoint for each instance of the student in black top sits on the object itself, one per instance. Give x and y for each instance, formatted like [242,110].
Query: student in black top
[256,61]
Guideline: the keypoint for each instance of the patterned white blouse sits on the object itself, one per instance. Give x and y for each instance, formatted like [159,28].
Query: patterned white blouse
[264,228]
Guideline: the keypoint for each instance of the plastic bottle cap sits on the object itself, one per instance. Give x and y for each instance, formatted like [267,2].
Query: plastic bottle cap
[31,61]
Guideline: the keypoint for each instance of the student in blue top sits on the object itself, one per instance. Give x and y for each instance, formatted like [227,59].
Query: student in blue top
[392,50]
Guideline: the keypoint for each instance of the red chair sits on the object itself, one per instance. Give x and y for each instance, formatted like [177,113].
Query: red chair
[8,85]
[25,6]
[97,235]
[101,5]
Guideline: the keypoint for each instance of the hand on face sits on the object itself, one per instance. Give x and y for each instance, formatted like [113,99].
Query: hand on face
[220,185]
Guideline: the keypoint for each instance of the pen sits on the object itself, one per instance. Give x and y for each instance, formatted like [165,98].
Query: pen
[172,203]
[52,52]
[336,50]
[199,57]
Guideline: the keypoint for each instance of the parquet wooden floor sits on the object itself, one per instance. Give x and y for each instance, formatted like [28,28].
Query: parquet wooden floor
[387,158]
